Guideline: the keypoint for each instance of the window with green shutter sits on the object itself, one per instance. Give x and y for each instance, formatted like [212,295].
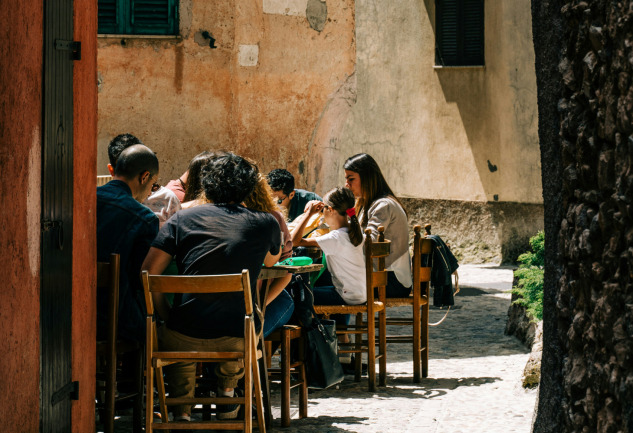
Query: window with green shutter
[138,17]
[459,32]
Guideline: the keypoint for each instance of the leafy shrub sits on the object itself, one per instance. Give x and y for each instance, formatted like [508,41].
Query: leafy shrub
[530,278]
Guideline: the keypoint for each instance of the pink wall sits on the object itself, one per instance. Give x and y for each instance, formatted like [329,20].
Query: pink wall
[21,61]
[20,144]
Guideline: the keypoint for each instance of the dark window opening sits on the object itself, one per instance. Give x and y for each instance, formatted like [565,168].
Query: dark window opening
[459,32]
[138,17]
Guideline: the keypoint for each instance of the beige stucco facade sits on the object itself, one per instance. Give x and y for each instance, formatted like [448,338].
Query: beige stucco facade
[303,84]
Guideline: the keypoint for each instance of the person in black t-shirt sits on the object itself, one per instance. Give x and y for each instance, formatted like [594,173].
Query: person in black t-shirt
[220,237]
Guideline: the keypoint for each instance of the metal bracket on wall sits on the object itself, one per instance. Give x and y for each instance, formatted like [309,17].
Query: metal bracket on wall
[71,390]
[73,46]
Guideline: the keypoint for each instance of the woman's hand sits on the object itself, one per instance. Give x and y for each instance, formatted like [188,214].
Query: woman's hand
[313,206]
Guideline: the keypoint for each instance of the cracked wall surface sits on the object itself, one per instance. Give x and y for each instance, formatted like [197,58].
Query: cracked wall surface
[260,92]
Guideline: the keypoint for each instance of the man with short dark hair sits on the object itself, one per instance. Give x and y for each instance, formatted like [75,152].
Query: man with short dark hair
[282,182]
[220,237]
[126,227]
[162,201]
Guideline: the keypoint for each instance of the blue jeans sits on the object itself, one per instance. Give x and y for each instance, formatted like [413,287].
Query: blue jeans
[327,295]
[278,312]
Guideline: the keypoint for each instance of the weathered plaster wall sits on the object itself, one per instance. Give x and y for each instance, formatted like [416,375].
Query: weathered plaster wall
[452,134]
[261,92]
[20,170]
[446,133]
[84,309]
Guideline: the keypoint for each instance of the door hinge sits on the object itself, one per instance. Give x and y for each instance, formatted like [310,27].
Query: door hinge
[48,225]
[73,46]
[71,390]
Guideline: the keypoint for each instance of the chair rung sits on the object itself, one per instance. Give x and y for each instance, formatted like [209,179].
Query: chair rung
[203,400]
[399,338]
[209,425]
[398,322]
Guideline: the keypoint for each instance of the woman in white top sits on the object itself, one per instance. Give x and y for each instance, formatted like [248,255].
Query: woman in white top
[377,205]
[342,247]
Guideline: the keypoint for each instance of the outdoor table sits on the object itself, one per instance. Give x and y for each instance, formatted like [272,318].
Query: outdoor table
[266,274]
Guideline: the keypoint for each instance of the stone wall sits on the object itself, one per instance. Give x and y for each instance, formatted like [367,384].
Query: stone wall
[479,232]
[592,389]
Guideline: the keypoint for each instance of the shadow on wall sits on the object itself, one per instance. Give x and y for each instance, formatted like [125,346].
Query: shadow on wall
[497,105]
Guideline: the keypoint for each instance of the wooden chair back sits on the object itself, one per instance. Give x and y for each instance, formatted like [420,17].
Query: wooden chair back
[376,278]
[156,359]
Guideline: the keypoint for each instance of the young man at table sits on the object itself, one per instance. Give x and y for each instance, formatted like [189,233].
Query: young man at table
[294,200]
[220,237]
[126,227]
[162,201]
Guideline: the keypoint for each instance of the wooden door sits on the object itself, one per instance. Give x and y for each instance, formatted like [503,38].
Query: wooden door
[57,388]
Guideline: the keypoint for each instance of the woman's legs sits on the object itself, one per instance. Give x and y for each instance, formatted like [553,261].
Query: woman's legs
[278,312]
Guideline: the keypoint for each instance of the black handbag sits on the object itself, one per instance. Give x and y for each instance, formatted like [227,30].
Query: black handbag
[323,368]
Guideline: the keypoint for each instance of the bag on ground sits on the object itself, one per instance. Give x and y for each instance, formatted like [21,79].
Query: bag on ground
[323,368]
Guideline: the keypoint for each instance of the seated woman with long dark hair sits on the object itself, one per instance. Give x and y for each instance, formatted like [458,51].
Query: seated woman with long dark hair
[377,205]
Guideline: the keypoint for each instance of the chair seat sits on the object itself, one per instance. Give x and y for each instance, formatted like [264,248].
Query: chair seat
[347,309]
[404,302]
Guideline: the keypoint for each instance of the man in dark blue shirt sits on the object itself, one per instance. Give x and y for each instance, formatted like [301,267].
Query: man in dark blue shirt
[126,227]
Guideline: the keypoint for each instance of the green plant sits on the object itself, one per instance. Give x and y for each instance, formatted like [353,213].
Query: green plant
[530,278]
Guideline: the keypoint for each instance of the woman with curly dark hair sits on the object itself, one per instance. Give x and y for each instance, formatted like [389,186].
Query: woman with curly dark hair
[377,205]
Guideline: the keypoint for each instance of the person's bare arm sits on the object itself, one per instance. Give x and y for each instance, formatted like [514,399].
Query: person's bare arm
[276,286]
[312,207]
[155,263]
[271,259]
[308,242]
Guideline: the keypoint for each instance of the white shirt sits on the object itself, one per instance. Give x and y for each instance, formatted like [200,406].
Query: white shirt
[346,264]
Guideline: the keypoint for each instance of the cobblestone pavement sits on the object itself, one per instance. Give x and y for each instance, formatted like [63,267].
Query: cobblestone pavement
[474,382]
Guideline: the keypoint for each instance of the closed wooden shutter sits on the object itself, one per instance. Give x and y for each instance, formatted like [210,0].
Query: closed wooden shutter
[138,17]
[108,16]
[459,29]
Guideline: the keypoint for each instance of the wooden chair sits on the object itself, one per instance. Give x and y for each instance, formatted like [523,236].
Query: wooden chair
[286,336]
[375,279]
[108,349]
[157,359]
[419,302]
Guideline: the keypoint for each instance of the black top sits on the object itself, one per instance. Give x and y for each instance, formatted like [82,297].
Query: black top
[217,239]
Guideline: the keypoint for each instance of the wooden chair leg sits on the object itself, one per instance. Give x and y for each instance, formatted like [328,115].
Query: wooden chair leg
[425,340]
[303,390]
[257,381]
[137,423]
[358,341]
[110,394]
[265,386]
[382,345]
[149,399]
[371,352]
[417,340]
[160,386]
[285,378]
